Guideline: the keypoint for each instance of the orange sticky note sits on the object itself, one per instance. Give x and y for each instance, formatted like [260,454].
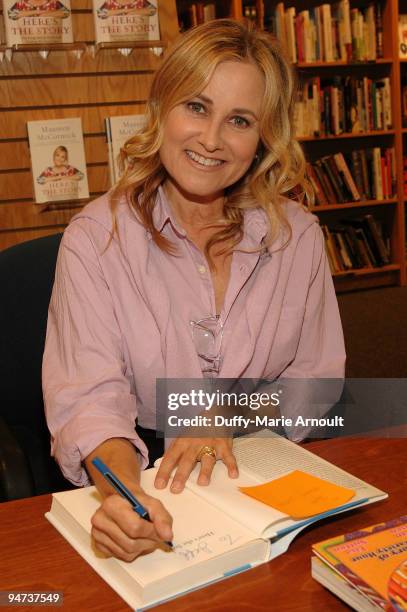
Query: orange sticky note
[300,495]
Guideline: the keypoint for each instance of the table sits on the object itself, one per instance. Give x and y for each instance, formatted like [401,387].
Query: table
[34,556]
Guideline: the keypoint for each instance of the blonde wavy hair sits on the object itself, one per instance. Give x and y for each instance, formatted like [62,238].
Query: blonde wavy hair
[278,169]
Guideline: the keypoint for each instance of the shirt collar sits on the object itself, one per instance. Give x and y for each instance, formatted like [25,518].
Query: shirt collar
[162,214]
[255,222]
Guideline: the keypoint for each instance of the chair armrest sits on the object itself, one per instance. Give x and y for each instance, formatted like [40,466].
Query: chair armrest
[16,480]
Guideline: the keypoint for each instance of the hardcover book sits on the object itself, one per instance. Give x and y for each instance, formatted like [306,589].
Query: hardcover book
[218,530]
[40,22]
[118,131]
[125,20]
[402,36]
[58,160]
[373,561]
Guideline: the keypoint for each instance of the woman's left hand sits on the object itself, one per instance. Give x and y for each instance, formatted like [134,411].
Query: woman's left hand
[183,454]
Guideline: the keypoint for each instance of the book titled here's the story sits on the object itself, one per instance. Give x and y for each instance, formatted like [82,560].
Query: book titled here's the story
[38,22]
[219,530]
[58,160]
[125,20]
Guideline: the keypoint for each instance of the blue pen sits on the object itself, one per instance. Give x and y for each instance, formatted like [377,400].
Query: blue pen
[122,490]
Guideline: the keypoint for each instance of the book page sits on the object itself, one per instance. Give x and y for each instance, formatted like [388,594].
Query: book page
[223,492]
[263,457]
[201,534]
[267,456]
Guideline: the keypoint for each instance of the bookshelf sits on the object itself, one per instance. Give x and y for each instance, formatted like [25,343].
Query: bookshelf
[94,86]
[359,66]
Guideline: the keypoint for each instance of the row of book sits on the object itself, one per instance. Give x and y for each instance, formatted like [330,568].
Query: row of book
[330,32]
[366,174]
[48,22]
[328,107]
[356,243]
[58,155]
[197,13]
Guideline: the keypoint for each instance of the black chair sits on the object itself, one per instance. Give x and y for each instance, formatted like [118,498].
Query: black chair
[26,277]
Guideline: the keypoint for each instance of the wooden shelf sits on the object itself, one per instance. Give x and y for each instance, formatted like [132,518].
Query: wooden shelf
[373,134]
[367,271]
[338,64]
[76,46]
[367,278]
[131,44]
[347,205]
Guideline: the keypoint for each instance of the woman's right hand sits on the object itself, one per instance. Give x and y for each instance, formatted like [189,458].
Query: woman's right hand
[118,531]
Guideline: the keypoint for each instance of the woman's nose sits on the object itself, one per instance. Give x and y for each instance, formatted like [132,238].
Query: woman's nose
[211,135]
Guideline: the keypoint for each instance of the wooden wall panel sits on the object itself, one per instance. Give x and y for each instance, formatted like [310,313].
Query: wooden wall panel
[92,87]
[75,89]
[28,215]
[13,122]
[10,238]
[65,62]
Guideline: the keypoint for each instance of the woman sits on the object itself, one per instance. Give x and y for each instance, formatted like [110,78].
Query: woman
[61,170]
[201,230]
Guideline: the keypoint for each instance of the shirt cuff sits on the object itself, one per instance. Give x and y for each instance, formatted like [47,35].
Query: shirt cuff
[84,432]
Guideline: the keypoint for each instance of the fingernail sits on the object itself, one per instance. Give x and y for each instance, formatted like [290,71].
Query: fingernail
[176,487]
[160,483]
[203,480]
[167,532]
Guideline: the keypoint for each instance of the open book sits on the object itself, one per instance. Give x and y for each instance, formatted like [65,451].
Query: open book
[218,531]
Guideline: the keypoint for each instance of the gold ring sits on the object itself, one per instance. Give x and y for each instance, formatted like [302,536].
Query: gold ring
[206,450]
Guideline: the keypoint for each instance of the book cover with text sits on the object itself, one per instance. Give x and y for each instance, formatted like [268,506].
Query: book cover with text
[58,160]
[126,20]
[118,130]
[44,22]
[373,560]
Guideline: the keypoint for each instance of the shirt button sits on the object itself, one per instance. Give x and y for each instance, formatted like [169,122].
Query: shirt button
[202,269]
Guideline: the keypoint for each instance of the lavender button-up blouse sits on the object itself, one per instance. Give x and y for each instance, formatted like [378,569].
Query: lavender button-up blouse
[120,317]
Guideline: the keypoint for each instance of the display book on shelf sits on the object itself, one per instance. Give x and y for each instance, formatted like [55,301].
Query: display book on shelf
[119,21]
[32,22]
[118,130]
[218,531]
[58,160]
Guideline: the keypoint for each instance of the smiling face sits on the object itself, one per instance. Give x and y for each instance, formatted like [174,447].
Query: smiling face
[60,157]
[209,141]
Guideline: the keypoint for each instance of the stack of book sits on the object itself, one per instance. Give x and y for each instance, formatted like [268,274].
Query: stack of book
[356,243]
[342,104]
[367,569]
[330,32]
[367,174]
